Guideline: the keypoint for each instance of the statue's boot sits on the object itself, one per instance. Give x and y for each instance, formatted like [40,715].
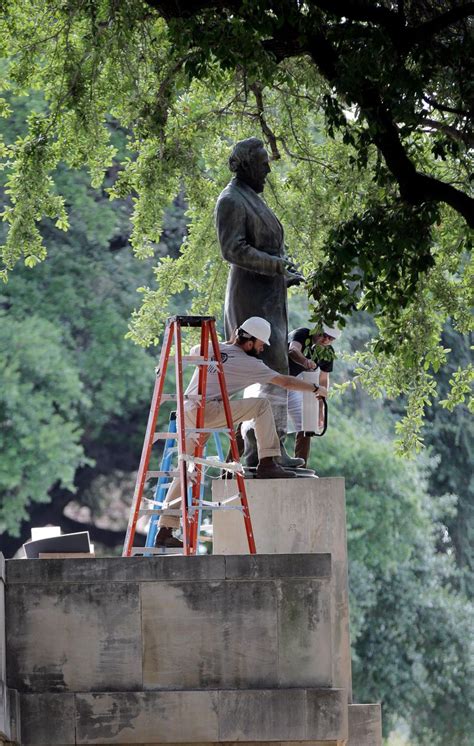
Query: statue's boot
[285,460]
[302,446]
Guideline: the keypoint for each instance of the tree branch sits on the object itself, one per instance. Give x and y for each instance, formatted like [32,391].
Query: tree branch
[426,30]
[361,10]
[448,109]
[414,187]
[450,131]
[256,89]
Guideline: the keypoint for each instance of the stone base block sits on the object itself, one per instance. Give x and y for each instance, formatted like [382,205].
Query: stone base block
[177,717]
[365,725]
[9,715]
[295,517]
[257,622]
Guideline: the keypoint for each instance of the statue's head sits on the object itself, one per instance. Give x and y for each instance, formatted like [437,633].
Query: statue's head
[249,161]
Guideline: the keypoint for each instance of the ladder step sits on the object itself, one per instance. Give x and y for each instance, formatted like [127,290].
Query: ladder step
[157,474]
[205,505]
[164,436]
[233,466]
[156,551]
[196,359]
[208,430]
[188,397]
[160,511]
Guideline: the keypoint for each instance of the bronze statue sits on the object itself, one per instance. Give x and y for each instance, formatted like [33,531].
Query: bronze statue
[252,240]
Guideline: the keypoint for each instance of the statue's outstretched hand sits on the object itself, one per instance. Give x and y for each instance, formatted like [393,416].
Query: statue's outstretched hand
[293,278]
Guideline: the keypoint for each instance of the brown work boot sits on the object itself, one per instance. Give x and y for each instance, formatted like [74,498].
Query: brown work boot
[268,469]
[165,538]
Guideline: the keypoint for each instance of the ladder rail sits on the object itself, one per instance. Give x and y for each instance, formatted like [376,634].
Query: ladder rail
[160,490]
[181,430]
[148,442]
[201,439]
[233,440]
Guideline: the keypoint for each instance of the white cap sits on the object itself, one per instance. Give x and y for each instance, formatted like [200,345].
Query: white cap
[258,328]
[331,331]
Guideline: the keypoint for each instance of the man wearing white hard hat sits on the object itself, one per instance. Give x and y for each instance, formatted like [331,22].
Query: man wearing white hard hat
[241,368]
[303,345]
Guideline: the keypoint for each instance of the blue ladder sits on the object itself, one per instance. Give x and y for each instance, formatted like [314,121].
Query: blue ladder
[163,482]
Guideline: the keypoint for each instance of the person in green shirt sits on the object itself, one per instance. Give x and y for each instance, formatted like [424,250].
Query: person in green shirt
[302,356]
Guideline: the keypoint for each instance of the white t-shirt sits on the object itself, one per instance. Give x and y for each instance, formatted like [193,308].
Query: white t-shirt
[240,370]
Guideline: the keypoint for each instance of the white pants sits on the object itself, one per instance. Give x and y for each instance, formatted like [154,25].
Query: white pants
[258,410]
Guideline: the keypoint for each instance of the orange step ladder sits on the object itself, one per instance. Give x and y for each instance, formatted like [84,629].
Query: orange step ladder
[190,466]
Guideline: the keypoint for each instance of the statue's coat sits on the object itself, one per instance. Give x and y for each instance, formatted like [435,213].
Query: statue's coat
[252,241]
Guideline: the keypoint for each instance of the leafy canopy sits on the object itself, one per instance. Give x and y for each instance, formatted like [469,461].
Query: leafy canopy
[364,107]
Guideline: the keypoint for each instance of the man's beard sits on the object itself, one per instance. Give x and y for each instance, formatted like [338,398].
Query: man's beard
[253,352]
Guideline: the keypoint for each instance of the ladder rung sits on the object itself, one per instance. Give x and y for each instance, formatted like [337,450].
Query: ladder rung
[164,436]
[207,430]
[221,502]
[157,474]
[217,507]
[188,397]
[156,550]
[215,462]
[196,359]
[158,511]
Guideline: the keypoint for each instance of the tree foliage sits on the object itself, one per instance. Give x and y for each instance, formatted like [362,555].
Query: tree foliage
[69,378]
[364,108]
[410,626]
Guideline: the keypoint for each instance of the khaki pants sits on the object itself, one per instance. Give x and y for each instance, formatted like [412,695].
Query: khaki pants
[268,443]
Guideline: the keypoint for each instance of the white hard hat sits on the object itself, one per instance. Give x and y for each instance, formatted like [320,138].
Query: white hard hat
[331,331]
[258,328]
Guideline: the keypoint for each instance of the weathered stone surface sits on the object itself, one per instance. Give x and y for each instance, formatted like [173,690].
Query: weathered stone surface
[3,669]
[9,722]
[365,725]
[14,715]
[74,637]
[233,743]
[269,566]
[309,519]
[282,714]
[304,633]
[115,570]
[47,719]
[141,717]
[326,714]
[285,520]
[209,635]
[4,711]
[262,715]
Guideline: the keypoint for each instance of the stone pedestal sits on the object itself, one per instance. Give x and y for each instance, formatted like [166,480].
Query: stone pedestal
[300,517]
[201,650]
[211,650]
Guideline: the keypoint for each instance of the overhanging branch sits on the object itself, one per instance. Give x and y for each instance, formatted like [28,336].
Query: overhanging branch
[425,31]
